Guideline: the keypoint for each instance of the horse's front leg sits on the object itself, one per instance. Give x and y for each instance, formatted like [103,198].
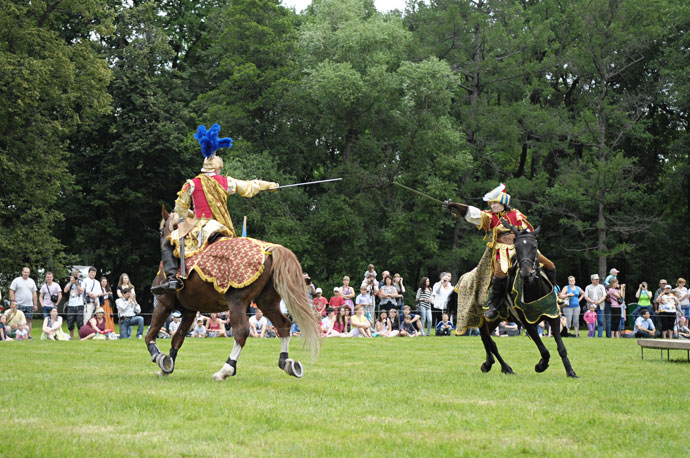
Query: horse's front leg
[484,332]
[532,331]
[563,352]
[493,348]
[163,309]
[240,332]
[167,362]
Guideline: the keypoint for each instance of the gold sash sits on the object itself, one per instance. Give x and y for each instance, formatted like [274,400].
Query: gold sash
[217,199]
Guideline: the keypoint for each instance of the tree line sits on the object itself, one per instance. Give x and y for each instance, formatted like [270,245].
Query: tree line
[580,107]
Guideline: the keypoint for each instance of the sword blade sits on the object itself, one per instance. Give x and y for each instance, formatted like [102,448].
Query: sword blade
[308,183]
[418,192]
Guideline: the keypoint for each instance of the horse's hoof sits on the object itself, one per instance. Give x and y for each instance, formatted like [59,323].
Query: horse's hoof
[573,375]
[166,363]
[539,367]
[507,370]
[225,372]
[486,367]
[294,368]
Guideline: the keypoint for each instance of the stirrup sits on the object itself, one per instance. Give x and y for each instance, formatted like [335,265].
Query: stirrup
[173,284]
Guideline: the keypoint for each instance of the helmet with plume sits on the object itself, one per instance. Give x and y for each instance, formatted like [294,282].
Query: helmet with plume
[210,143]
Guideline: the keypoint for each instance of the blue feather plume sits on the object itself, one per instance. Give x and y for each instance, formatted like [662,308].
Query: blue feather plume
[209,141]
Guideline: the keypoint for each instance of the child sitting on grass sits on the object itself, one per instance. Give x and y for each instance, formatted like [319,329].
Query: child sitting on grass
[3,336]
[407,328]
[199,329]
[22,333]
[445,326]
[591,319]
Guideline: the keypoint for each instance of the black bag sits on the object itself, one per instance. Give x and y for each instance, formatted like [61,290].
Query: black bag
[54,298]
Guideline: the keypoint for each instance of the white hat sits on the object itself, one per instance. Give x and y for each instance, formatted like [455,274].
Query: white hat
[594,277]
[668,286]
[319,290]
[614,271]
[336,289]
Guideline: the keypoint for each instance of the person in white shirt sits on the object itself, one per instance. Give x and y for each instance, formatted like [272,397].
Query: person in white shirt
[258,325]
[92,292]
[23,292]
[75,303]
[49,291]
[127,310]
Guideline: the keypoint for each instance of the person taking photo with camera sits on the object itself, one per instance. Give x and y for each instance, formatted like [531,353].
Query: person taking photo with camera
[75,303]
[92,293]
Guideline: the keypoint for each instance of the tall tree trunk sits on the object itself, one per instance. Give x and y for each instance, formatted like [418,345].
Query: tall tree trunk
[601,192]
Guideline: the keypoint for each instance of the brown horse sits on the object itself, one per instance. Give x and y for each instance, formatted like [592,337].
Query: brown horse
[281,278]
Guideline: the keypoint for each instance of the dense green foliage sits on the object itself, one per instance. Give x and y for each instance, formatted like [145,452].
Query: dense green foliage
[580,107]
[381,397]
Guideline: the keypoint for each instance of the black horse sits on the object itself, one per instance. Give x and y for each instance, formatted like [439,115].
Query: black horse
[535,286]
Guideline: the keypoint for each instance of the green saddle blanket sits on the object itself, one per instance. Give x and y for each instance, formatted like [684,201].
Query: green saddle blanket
[536,310]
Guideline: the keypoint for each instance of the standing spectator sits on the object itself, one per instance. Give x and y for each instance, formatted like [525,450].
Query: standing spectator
[13,319]
[439,296]
[199,330]
[50,295]
[400,288]
[384,327]
[388,294]
[595,294]
[424,305]
[360,324]
[444,326]
[644,327]
[659,292]
[644,300]
[613,273]
[337,300]
[364,299]
[668,305]
[616,296]
[258,325]
[52,327]
[23,292]
[383,278]
[123,283]
[591,319]
[372,287]
[92,293]
[573,295]
[320,302]
[683,296]
[128,310]
[94,326]
[310,288]
[370,272]
[75,303]
[107,300]
[348,292]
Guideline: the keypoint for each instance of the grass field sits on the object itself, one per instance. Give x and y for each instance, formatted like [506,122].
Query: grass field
[402,397]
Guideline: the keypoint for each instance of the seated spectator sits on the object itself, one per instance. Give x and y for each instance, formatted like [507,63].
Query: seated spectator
[22,332]
[384,327]
[668,305]
[414,319]
[272,331]
[3,335]
[394,319]
[13,318]
[327,323]
[364,299]
[360,325]
[337,300]
[408,329]
[258,325]
[681,329]
[128,310]
[294,330]
[94,326]
[644,327]
[342,322]
[591,319]
[511,329]
[370,272]
[175,323]
[445,326]
[52,327]
[320,302]
[216,326]
[199,330]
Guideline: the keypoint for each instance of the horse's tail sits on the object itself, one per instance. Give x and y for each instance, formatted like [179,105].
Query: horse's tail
[289,283]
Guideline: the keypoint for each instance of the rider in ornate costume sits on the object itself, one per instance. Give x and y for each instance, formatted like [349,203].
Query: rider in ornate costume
[501,241]
[207,194]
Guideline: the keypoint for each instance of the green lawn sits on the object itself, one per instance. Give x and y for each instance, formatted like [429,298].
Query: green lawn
[423,396]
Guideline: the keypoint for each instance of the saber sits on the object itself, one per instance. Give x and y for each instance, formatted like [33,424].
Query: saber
[418,192]
[308,183]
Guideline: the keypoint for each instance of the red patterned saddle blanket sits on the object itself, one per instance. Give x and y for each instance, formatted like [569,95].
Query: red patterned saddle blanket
[230,262]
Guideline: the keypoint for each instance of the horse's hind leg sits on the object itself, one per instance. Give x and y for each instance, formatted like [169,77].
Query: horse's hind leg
[490,346]
[269,302]
[240,332]
[485,335]
[562,351]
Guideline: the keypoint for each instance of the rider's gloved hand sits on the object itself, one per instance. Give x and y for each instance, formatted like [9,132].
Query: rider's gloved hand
[446,203]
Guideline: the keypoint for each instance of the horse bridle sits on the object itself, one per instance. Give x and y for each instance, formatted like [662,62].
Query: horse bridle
[536,269]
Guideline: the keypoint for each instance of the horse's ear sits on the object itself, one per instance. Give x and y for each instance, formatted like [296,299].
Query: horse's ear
[164,212]
[536,231]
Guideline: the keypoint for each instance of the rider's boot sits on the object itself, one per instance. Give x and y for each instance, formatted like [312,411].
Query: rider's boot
[496,297]
[170,266]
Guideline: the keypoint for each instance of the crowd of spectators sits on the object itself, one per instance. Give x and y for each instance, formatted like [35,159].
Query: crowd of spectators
[379,310]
